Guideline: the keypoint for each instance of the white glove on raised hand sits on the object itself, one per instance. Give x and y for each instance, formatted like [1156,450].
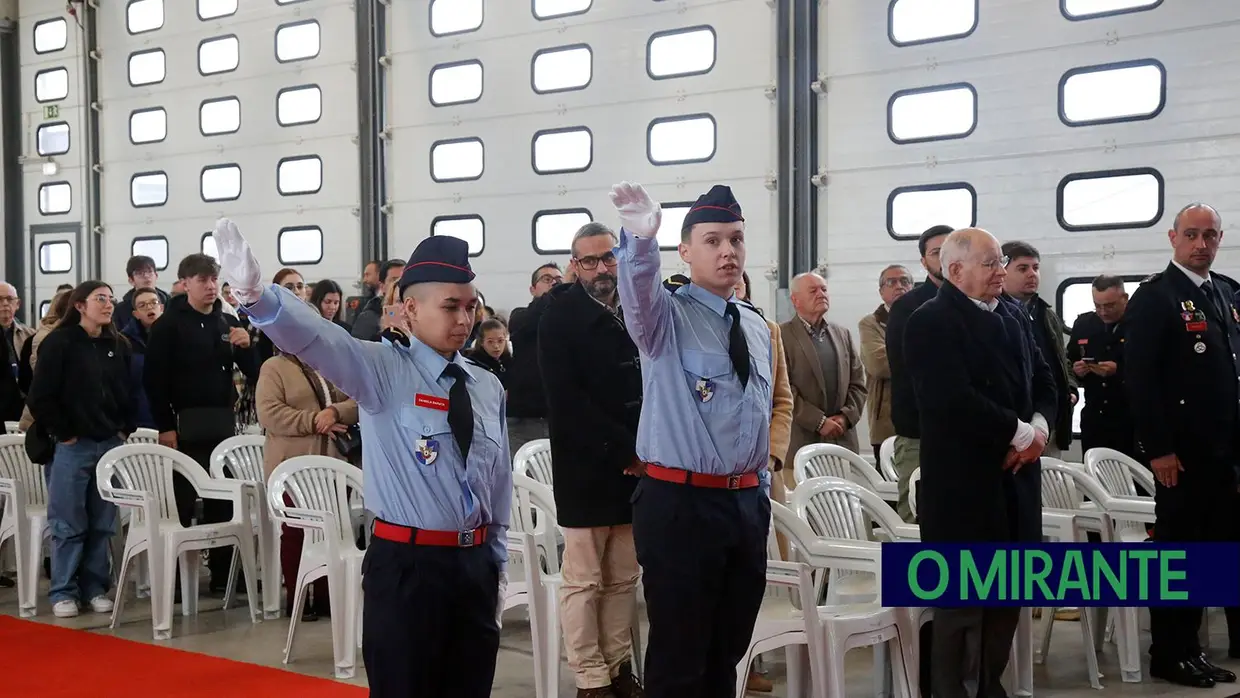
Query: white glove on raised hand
[503,591]
[639,214]
[237,263]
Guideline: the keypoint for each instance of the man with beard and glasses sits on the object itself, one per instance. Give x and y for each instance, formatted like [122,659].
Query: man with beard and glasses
[592,379]
[903,399]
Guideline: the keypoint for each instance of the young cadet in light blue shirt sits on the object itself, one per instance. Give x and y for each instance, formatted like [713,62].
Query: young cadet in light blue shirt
[437,474]
[700,514]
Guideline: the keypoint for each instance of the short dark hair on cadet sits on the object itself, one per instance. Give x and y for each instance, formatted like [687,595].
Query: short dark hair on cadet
[931,233]
[1015,249]
[1106,282]
[139,263]
[198,264]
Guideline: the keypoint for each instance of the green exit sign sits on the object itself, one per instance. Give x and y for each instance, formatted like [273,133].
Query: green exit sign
[51,111]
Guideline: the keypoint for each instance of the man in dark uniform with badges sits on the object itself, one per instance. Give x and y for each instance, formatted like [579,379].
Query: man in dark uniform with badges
[1095,352]
[700,514]
[1183,336]
[438,478]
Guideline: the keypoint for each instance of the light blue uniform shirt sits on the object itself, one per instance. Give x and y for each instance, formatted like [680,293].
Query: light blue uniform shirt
[695,414]
[403,484]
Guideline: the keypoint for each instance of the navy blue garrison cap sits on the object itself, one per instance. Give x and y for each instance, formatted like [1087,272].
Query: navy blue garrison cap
[438,258]
[715,206]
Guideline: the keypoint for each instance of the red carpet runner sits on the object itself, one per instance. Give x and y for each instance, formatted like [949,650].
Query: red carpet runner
[44,661]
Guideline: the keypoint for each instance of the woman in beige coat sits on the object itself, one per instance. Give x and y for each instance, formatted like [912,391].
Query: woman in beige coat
[58,307]
[299,411]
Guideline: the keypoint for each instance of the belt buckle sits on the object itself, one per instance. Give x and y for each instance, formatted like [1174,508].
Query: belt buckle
[734,482]
[465,539]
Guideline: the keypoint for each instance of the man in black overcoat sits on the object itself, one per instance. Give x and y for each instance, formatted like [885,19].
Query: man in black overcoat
[592,379]
[985,397]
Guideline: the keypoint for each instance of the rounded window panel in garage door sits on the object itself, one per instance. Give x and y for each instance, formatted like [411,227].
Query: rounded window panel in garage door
[225,118]
[526,113]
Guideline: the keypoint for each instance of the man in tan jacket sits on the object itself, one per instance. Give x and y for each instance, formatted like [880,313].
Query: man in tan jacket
[893,282]
[824,370]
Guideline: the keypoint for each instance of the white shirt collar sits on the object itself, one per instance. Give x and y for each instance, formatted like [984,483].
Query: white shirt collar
[1193,276]
[989,307]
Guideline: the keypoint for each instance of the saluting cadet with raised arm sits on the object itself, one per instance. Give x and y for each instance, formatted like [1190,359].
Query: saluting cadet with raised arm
[700,514]
[438,478]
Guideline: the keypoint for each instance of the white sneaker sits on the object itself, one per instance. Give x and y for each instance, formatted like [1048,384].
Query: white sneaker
[101,604]
[65,609]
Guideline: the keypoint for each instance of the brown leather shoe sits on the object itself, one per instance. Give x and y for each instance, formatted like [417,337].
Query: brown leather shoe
[759,683]
[626,685]
[604,692]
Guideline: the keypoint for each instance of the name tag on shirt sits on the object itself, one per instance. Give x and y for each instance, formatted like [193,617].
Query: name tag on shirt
[431,401]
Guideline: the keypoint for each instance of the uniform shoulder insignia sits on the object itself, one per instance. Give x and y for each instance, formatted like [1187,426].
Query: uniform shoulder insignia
[1152,277]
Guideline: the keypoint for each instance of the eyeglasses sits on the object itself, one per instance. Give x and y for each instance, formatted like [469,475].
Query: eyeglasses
[101,299]
[147,305]
[897,281]
[295,286]
[1001,261]
[589,263]
[549,279]
[8,300]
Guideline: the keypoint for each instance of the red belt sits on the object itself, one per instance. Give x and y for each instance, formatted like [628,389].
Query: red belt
[718,482]
[421,536]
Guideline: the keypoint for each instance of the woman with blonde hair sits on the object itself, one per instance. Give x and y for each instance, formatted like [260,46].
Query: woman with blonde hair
[302,414]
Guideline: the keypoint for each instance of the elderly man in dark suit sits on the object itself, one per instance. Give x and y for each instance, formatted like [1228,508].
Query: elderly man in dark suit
[985,397]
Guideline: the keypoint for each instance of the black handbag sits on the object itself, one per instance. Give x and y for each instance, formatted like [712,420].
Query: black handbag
[206,425]
[349,444]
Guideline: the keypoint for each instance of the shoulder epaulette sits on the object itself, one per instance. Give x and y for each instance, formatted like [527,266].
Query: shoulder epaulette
[1152,277]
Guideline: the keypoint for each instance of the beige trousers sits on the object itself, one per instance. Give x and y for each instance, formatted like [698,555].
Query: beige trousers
[600,574]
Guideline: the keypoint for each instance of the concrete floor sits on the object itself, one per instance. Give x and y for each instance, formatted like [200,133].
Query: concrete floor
[229,634]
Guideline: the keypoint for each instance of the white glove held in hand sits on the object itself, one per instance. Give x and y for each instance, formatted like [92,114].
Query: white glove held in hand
[639,214]
[237,263]
[503,591]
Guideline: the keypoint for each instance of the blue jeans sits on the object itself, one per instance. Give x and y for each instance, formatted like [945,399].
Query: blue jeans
[82,523]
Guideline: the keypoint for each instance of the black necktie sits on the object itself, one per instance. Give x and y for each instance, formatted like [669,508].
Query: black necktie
[738,350]
[1210,291]
[460,410]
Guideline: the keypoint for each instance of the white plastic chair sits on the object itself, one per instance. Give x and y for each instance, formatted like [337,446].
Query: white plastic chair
[840,509]
[142,576]
[835,629]
[530,497]
[833,460]
[780,623]
[1063,491]
[139,477]
[12,428]
[241,458]
[23,517]
[143,436]
[318,487]
[533,460]
[887,459]
[530,592]
[914,480]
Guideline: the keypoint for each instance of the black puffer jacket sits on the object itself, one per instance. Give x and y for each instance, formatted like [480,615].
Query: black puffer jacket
[81,386]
